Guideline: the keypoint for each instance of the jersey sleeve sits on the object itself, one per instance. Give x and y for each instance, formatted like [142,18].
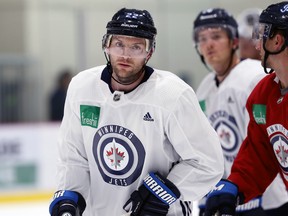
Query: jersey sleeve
[72,171]
[198,145]
[254,167]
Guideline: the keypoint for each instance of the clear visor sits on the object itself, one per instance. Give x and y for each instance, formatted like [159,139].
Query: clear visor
[116,45]
[211,27]
[260,31]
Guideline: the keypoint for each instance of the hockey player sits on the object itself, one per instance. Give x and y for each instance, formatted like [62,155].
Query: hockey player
[133,139]
[263,153]
[223,94]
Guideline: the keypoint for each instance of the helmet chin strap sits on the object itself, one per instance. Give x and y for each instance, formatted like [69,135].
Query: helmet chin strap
[267,53]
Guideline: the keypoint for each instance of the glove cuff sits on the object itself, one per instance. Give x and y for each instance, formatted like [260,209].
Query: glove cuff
[224,186]
[71,197]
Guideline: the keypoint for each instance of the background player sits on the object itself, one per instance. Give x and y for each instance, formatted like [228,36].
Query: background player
[132,135]
[246,20]
[263,153]
[223,94]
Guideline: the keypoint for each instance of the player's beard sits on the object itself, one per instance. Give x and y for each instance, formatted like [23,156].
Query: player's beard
[129,75]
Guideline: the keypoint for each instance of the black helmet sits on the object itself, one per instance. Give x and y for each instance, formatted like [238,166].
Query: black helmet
[132,22]
[276,17]
[216,17]
[273,18]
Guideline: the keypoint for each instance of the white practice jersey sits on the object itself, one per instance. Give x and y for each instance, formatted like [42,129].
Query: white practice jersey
[109,141]
[224,106]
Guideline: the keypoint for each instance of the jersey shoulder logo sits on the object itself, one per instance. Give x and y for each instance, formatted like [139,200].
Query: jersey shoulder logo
[259,113]
[89,115]
[278,138]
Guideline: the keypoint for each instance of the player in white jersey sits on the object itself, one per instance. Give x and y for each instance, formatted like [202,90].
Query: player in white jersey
[133,139]
[223,93]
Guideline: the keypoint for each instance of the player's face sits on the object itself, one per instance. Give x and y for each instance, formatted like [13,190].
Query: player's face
[259,47]
[215,45]
[127,57]
[261,31]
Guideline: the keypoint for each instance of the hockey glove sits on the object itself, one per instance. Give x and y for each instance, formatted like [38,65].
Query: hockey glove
[202,206]
[67,202]
[223,199]
[153,197]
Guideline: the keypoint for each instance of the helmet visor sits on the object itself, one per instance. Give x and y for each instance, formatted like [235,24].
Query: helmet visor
[260,31]
[118,46]
[225,27]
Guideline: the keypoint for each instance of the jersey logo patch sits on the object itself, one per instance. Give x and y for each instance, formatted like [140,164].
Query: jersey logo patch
[228,131]
[147,117]
[119,155]
[230,100]
[89,115]
[280,145]
[203,105]
[259,113]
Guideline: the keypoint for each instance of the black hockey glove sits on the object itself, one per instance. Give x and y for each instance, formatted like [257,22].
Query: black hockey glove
[223,199]
[67,202]
[153,197]
[202,206]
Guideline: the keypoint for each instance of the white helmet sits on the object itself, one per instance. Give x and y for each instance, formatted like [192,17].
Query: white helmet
[246,21]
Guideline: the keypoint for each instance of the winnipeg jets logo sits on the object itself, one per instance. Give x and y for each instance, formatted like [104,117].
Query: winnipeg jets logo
[227,129]
[281,150]
[225,136]
[279,142]
[119,155]
[115,156]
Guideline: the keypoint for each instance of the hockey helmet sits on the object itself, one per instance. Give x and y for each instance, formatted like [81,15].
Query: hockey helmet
[131,22]
[274,17]
[213,18]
